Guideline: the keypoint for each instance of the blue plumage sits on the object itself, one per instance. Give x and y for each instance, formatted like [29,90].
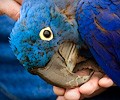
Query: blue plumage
[102,35]
[15,82]
[98,23]
[25,40]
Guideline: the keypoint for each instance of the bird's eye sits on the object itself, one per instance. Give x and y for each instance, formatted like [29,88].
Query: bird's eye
[46,34]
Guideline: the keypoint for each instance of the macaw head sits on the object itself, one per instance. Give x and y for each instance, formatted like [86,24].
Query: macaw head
[42,27]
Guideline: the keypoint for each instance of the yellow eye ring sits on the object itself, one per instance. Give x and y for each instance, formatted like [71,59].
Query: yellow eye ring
[46,34]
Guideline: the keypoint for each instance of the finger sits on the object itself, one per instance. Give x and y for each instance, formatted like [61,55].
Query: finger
[95,93]
[11,8]
[19,1]
[72,94]
[60,98]
[106,82]
[92,85]
[58,91]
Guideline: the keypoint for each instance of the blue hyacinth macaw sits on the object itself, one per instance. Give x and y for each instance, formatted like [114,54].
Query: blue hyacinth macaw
[44,25]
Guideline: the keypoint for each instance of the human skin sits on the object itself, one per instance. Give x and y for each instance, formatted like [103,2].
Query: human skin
[93,87]
[11,8]
[97,84]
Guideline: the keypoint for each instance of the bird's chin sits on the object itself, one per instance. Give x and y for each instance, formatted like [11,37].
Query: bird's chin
[60,69]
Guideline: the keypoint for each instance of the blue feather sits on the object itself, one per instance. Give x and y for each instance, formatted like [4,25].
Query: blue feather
[35,16]
[98,23]
[102,35]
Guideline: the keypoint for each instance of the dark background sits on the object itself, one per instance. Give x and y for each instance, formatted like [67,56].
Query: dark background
[17,84]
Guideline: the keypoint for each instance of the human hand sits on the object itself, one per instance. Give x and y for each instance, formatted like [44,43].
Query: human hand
[10,8]
[96,85]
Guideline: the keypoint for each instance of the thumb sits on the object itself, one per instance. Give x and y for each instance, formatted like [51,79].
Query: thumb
[106,82]
[11,8]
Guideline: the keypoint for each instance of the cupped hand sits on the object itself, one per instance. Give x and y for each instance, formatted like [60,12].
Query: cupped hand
[10,8]
[96,85]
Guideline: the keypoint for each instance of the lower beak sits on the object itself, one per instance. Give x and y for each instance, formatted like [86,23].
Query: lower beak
[59,71]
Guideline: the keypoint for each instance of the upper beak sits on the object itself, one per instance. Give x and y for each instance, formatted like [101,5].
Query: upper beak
[59,71]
